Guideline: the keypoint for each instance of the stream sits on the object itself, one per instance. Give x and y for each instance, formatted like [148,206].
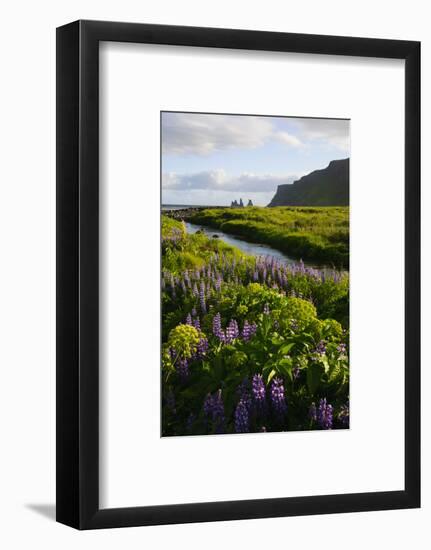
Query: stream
[252,249]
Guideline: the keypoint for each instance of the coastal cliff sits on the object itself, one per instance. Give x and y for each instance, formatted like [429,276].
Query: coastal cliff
[326,187]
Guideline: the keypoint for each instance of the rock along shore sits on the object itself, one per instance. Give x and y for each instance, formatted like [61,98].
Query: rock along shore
[186,213]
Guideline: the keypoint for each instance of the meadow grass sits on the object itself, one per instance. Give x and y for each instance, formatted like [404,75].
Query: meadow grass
[249,344]
[189,251]
[311,233]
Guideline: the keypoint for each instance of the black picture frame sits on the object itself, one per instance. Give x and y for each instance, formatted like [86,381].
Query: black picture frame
[78,274]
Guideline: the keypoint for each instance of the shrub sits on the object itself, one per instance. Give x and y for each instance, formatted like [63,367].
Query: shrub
[249,344]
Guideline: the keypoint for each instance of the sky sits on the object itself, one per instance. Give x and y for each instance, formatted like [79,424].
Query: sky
[212,159]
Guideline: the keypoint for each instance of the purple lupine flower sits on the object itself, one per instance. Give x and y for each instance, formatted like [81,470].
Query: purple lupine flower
[218,284]
[344,415]
[196,323]
[320,348]
[341,348]
[214,410]
[216,324]
[189,320]
[195,290]
[241,418]
[255,275]
[217,330]
[194,312]
[312,412]
[324,414]
[232,331]
[243,392]
[222,336]
[202,298]
[202,347]
[277,397]
[246,331]
[258,390]
[182,368]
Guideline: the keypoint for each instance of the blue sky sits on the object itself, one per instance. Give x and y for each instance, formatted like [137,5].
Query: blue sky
[213,159]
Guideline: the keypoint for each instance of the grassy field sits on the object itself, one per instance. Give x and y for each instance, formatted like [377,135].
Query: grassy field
[249,344]
[318,234]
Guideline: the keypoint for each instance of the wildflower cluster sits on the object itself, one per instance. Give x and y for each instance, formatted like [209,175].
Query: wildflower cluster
[205,283]
[213,409]
[250,344]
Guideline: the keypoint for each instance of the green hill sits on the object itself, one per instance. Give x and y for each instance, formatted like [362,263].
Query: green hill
[327,187]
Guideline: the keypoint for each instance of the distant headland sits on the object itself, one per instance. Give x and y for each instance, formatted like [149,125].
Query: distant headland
[326,187]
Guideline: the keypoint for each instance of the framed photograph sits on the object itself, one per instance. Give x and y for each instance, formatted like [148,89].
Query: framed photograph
[238,274]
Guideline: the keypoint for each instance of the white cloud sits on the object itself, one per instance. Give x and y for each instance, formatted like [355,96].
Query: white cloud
[288,139]
[202,134]
[328,131]
[202,180]
[218,180]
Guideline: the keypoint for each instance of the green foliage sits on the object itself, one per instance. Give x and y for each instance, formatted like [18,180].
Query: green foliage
[299,310]
[312,233]
[181,251]
[183,339]
[301,334]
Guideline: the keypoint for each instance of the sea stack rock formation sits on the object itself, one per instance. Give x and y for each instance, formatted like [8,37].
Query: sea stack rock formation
[240,204]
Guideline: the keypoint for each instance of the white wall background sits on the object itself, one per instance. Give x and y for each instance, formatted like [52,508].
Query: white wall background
[27,245]
[129,167]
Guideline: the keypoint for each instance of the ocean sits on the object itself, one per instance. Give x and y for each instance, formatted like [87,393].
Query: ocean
[186,206]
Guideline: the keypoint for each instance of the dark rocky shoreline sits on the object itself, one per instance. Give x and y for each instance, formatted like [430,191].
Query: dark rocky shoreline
[187,213]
